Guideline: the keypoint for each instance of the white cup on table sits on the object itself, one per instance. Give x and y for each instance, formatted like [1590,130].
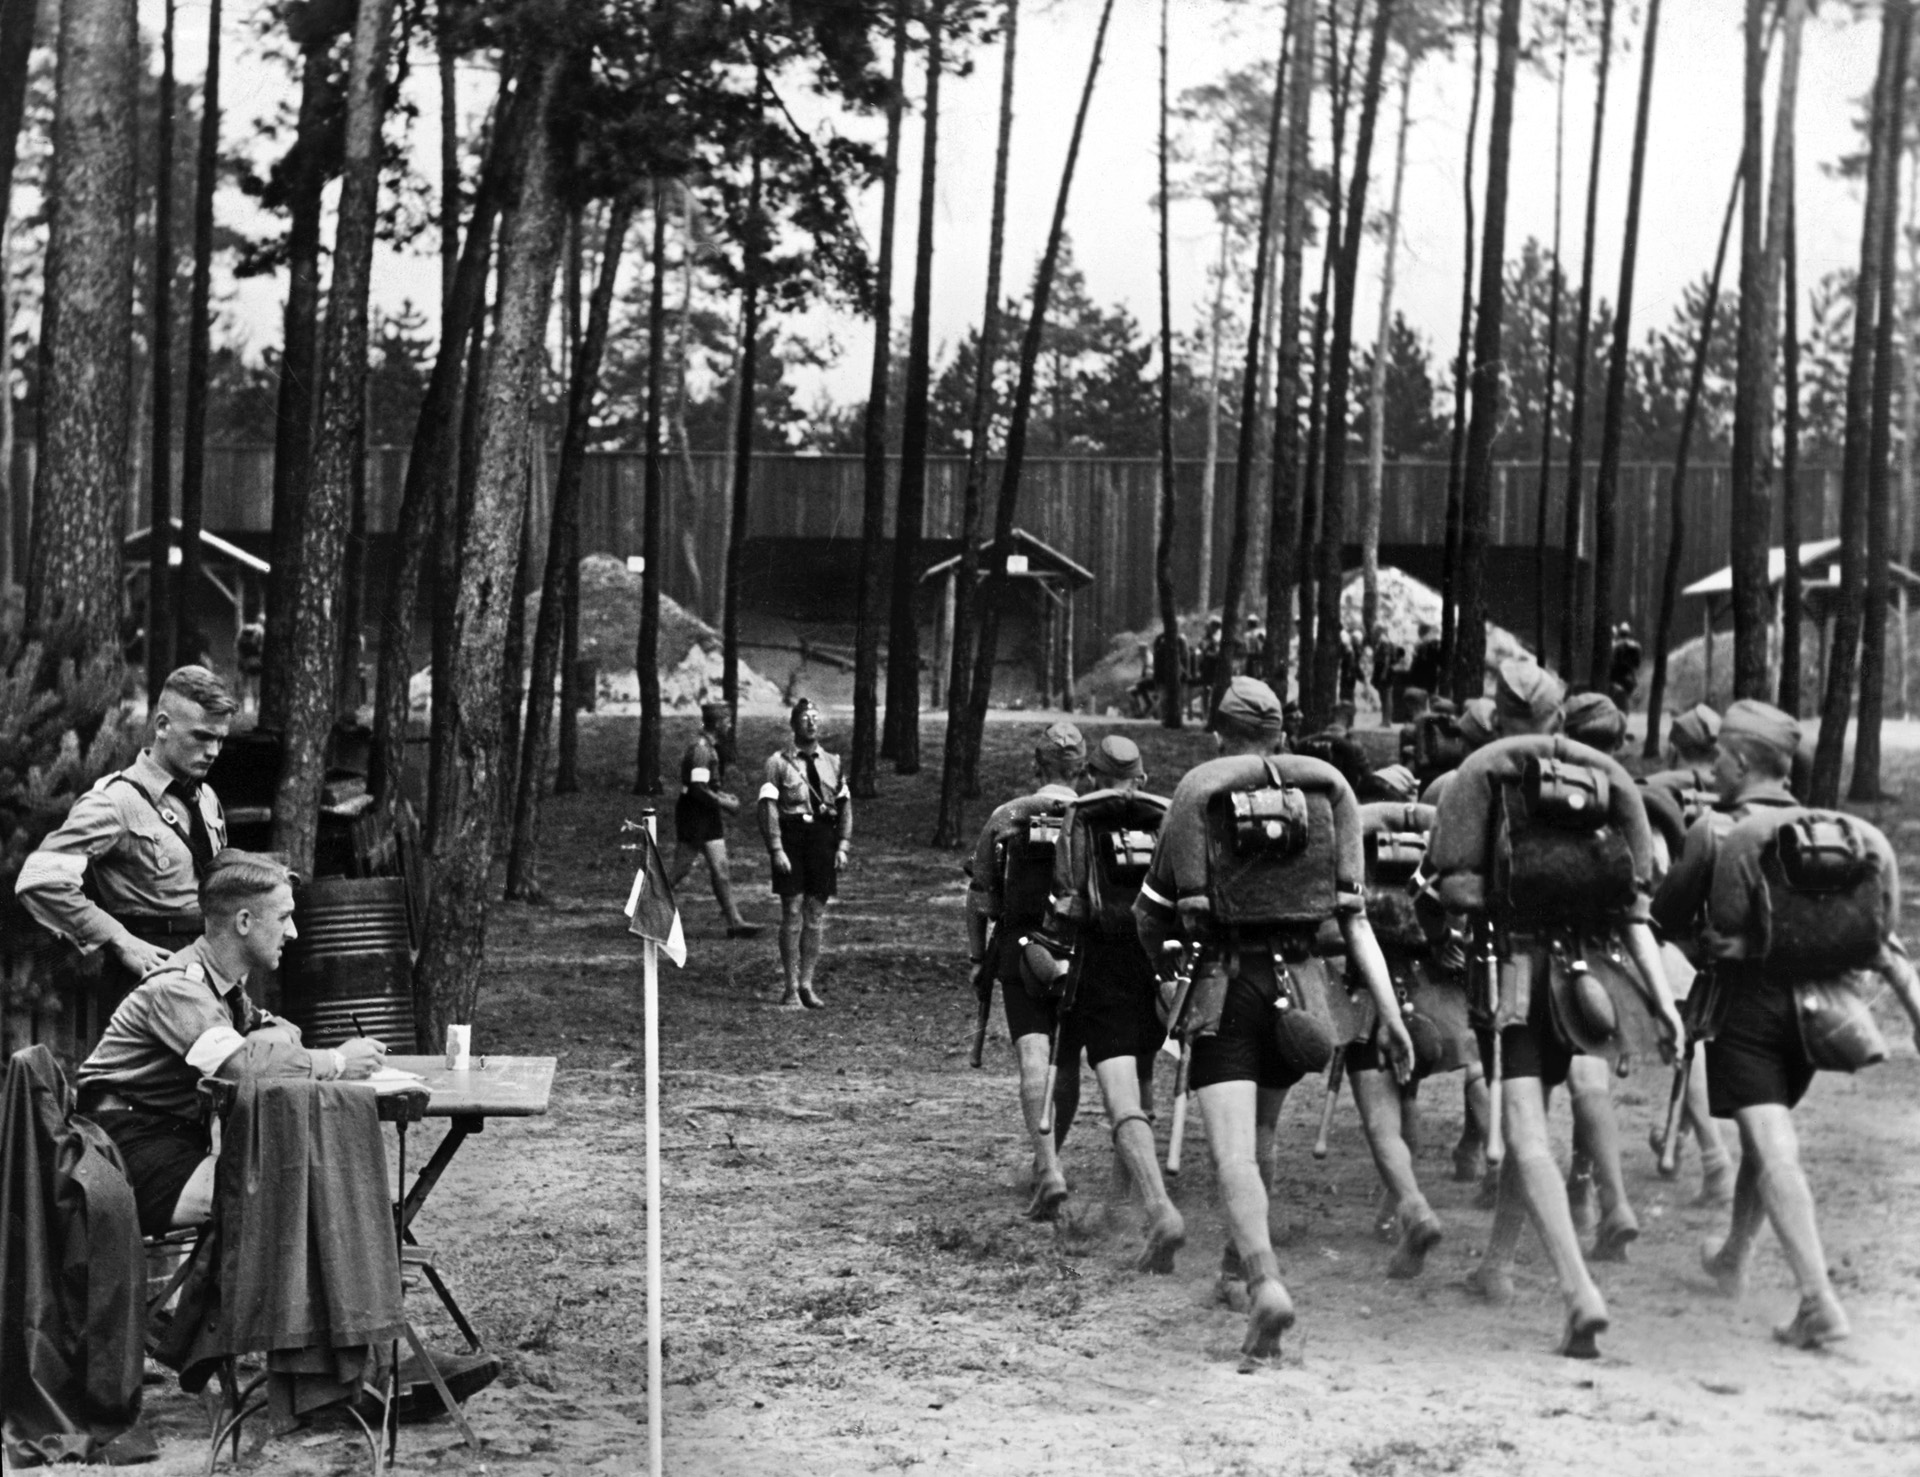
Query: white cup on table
[459,1048]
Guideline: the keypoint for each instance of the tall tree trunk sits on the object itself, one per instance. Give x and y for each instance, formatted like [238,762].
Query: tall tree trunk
[1676,498]
[447,979]
[1166,669]
[1462,369]
[1248,447]
[677,425]
[863,761]
[193,453]
[16,48]
[1283,567]
[523,855]
[160,576]
[646,656]
[299,375]
[746,371]
[1325,689]
[452,514]
[566,766]
[449,155]
[1554,294]
[1792,591]
[339,443]
[1606,489]
[7,488]
[1469,656]
[1377,387]
[1571,636]
[981,694]
[73,556]
[432,461]
[958,776]
[513,651]
[1836,705]
[1865,784]
[1216,334]
[900,740]
[1751,529]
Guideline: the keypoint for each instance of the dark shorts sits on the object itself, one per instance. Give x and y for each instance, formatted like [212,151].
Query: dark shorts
[1113,1012]
[696,821]
[1757,1057]
[1531,1049]
[161,1153]
[1243,1049]
[810,846]
[1025,1016]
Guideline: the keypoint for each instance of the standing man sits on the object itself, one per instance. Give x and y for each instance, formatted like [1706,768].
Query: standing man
[700,814]
[1251,961]
[1010,892]
[1720,894]
[806,818]
[120,876]
[1254,645]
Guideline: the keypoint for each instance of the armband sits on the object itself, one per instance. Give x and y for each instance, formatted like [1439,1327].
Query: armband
[699,776]
[769,791]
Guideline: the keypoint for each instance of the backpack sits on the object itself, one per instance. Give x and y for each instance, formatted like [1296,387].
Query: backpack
[1392,859]
[1271,856]
[1438,745]
[1026,866]
[1118,833]
[1825,904]
[1558,861]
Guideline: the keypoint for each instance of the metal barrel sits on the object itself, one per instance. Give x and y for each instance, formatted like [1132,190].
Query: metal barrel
[353,957]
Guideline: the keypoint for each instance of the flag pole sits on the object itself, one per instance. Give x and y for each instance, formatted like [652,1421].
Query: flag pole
[650,983]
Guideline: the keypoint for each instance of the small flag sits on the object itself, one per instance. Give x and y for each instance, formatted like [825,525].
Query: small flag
[651,906]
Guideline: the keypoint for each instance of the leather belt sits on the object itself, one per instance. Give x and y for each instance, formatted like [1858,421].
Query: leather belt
[164,925]
[93,1100]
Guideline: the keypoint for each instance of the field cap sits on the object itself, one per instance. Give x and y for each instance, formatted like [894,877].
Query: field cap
[1116,758]
[1061,739]
[1396,782]
[1248,706]
[1593,718]
[1527,689]
[1476,723]
[805,705]
[1764,722]
[1696,729]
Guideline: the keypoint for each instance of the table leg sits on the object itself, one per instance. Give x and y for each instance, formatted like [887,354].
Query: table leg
[416,1197]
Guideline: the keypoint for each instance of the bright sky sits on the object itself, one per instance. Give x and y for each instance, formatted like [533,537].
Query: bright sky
[1692,149]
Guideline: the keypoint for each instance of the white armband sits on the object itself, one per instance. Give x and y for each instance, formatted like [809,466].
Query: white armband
[699,776]
[770,791]
[43,867]
[1148,892]
[208,1054]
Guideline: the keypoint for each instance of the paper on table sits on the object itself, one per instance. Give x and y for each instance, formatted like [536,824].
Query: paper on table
[392,1077]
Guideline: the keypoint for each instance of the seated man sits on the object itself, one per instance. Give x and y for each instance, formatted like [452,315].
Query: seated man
[192,1018]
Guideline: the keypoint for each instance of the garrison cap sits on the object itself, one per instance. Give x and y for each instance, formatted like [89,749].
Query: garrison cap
[1593,718]
[1117,758]
[805,705]
[1696,729]
[1248,706]
[1061,740]
[1394,782]
[1763,722]
[1527,689]
[1477,720]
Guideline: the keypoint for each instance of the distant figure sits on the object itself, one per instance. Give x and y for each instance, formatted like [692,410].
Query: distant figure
[1254,645]
[1210,647]
[1389,671]
[700,815]
[1623,671]
[1424,669]
[250,650]
[1349,664]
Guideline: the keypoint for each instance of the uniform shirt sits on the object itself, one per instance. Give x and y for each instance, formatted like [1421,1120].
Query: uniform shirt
[1460,850]
[180,1023]
[1688,787]
[984,892]
[131,833]
[1707,895]
[793,794]
[702,765]
[1179,870]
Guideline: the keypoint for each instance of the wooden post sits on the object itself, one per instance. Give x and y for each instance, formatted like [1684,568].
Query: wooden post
[1707,696]
[1066,615]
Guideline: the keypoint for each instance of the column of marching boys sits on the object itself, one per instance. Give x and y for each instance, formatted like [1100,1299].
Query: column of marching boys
[1505,902]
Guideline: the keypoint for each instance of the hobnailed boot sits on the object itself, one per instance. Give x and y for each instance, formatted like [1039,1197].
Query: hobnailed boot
[1586,1321]
[1420,1232]
[1271,1311]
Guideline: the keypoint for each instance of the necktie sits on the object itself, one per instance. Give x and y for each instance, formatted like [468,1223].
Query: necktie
[816,794]
[198,841]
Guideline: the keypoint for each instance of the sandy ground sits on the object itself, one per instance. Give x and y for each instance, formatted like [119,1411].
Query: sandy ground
[850,1286]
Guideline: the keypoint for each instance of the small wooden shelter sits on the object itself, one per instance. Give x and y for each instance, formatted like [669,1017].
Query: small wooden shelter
[1036,607]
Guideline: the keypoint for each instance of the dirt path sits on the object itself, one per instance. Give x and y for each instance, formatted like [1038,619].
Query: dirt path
[850,1286]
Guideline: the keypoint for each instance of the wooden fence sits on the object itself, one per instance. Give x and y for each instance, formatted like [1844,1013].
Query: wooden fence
[1101,512]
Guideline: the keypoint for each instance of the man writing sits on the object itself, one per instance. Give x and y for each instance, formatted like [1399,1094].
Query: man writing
[996,919]
[806,819]
[192,1018]
[700,815]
